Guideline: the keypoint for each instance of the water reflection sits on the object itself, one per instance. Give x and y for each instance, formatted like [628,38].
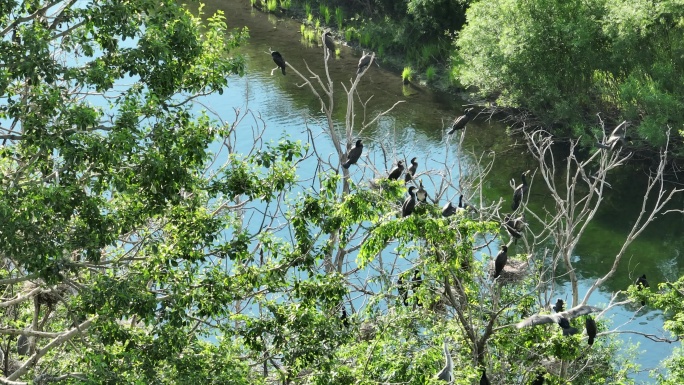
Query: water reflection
[416,128]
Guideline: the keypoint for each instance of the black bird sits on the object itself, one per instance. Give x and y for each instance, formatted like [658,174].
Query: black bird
[363,62]
[590,325]
[500,261]
[561,318]
[421,194]
[396,171]
[520,191]
[278,59]
[617,138]
[514,226]
[403,293]
[416,281]
[411,170]
[343,317]
[329,42]
[460,122]
[22,345]
[483,379]
[539,380]
[354,154]
[568,330]
[409,203]
[446,373]
[558,307]
[641,283]
[449,209]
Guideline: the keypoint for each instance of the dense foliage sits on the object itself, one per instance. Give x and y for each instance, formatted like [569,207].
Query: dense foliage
[138,245]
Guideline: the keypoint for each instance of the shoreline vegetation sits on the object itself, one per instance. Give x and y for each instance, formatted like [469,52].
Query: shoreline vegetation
[576,73]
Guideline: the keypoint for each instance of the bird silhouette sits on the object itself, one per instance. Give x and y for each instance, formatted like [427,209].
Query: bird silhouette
[500,261]
[449,209]
[421,194]
[409,203]
[411,171]
[460,122]
[561,318]
[403,293]
[514,226]
[641,283]
[558,307]
[539,380]
[354,154]
[329,42]
[446,373]
[617,138]
[363,62]
[343,317]
[520,191]
[590,325]
[278,59]
[483,379]
[396,171]
[22,345]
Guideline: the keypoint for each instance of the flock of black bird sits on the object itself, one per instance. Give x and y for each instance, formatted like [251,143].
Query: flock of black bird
[514,225]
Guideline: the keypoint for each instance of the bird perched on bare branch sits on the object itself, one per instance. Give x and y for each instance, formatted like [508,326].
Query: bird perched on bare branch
[500,261]
[520,191]
[279,60]
[514,226]
[421,194]
[329,42]
[563,318]
[411,171]
[590,325]
[396,171]
[354,154]
[617,138]
[460,122]
[558,307]
[364,62]
[446,374]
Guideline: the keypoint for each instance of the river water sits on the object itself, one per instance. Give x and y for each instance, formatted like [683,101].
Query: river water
[416,128]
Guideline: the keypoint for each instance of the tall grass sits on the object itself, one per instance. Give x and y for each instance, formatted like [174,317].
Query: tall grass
[430,73]
[285,4]
[325,12]
[271,5]
[307,8]
[339,17]
[407,75]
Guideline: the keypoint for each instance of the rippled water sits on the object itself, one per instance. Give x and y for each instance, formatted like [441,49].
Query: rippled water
[416,127]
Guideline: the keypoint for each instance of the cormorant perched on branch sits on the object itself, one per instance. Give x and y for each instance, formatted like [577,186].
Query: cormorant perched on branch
[343,317]
[363,62]
[558,307]
[561,318]
[278,59]
[590,325]
[421,194]
[483,379]
[520,191]
[460,122]
[22,345]
[449,209]
[403,293]
[354,154]
[409,203]
[500,261]
[411,170]
[396,171]
[329,42]
[446,373]
[617,138]
[514,226]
